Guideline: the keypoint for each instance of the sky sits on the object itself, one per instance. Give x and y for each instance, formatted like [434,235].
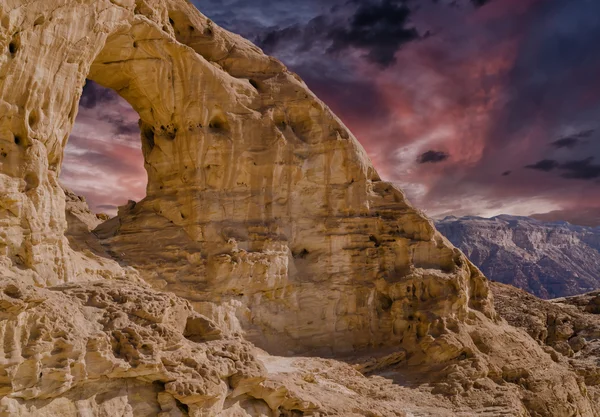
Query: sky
[473,107]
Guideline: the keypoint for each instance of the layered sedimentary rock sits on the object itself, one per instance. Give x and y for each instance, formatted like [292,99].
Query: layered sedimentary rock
[546,259]
[263,211]
[568,328]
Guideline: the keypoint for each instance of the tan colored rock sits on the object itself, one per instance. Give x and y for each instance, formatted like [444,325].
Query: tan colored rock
[262,210]
[566,325]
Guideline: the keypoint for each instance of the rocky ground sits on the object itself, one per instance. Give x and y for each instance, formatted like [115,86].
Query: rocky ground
[568,328]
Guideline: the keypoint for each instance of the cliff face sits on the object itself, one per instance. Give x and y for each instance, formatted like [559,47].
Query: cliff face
[264,221]
[546,259]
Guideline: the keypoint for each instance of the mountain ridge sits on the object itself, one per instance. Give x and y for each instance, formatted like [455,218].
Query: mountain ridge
[547,259]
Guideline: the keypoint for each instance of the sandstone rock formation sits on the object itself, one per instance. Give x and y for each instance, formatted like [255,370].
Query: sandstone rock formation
[262,210]
[569,326]
[548,260]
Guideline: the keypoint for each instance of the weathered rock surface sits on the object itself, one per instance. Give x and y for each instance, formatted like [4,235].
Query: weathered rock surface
[570,326]
[548,260]
[263,212]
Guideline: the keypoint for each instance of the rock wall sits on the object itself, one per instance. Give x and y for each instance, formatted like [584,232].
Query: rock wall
[262,210]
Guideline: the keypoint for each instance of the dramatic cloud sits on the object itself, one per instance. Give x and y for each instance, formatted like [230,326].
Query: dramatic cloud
[94,95]
[432,157]
[495,84]
[380,28]
[546,165]
[581,170]
[573,141]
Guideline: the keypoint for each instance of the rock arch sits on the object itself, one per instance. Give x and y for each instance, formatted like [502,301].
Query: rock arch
[258,196]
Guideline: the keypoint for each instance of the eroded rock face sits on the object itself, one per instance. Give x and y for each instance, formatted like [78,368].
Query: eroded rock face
[548,260]
[568,328]
[77,347]
[262,210]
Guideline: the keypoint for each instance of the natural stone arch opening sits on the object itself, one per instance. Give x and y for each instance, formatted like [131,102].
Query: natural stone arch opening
[103,159]
[258,196]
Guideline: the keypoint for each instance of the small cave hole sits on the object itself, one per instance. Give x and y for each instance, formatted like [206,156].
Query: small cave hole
[39,21]
[172,22]
[219,123]
[254,84]
[385,302]
[375,241]
[302,254]
[18,140]
[148,137]
[13,47]
[135,44]
[191,28]
[208,30]
[3,154]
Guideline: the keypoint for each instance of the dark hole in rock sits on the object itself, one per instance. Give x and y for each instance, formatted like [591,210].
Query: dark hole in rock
[18,140]
[385,302]
[254,84]
[148,135]
[13,48]
[219,123]
[375,241]
[302,254]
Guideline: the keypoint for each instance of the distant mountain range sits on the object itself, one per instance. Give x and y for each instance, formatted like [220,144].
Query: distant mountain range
[549,260]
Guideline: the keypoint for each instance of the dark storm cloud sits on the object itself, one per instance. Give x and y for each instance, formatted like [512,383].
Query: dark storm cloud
[583,169]
[378,28]
[432,157]
[545,165]
[93,95]
[571,142]
[479,3]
